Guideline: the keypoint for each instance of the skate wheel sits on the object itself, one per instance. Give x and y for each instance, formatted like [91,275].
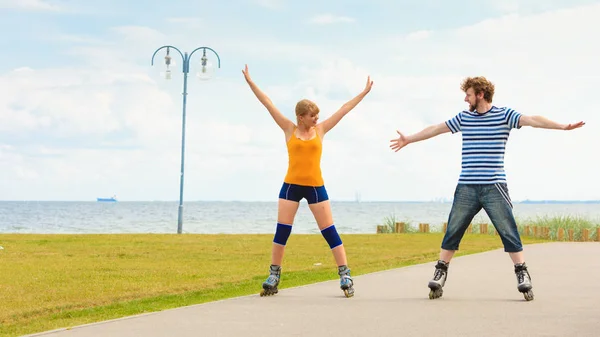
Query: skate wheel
[349,292]
[267,292]
[434,294]
[528,295]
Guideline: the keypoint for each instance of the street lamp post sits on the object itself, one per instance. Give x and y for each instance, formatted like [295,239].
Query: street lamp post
[204,74]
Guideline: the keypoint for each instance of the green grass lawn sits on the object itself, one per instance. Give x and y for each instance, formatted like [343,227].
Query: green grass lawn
[54,281]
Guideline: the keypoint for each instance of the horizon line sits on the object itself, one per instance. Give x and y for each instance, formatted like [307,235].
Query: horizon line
[445,201]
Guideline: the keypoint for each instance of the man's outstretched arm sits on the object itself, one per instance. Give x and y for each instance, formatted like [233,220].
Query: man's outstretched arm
[545,123]
[428,132]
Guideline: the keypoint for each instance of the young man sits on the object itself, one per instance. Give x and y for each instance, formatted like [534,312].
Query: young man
[482,184]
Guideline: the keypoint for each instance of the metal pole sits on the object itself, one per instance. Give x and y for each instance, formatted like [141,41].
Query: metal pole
[180,209]
[186,69]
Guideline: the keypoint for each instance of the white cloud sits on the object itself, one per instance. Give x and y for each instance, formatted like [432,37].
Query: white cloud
[539,67]
[531,6]
[61,126]
[271,4]
[31,5]
[273,50]
[183,19]
[79,39]
[187,22]
[418,35]
[506,6]
[138,33]
[326,19]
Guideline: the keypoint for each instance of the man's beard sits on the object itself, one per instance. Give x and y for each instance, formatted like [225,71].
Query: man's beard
[474,107]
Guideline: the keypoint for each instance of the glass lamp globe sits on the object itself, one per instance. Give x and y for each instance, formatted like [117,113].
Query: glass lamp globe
[170,65]
[166,74]
[207,69]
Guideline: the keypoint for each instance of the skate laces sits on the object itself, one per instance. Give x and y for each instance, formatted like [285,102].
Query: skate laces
[440,269]
[344,273]
[273,277]
[274,273]
[522,273]
[439,273]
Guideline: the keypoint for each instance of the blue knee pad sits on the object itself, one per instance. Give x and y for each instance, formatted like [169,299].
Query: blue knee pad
[282,234]
[332,237]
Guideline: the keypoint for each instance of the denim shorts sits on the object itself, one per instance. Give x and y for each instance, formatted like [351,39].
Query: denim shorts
[469,199]
[312,194]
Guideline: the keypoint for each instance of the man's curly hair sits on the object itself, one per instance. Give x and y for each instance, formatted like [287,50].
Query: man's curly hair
[480,85]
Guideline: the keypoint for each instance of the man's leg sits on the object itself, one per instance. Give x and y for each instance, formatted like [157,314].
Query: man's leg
[497,204]
[464,207]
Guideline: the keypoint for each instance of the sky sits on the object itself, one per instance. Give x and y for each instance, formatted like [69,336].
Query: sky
[84,114]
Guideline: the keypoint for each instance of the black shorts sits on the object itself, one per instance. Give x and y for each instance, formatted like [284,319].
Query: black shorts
[312,194]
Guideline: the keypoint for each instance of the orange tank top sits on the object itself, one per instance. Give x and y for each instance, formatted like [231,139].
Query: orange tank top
[304,166]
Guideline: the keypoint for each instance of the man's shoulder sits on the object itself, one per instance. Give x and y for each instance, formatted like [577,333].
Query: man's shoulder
[500,109]
[466,113]
[503,109]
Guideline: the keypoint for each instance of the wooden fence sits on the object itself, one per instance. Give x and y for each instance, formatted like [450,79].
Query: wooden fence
[559,234]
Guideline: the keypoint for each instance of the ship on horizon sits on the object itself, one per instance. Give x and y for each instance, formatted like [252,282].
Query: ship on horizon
[111,199]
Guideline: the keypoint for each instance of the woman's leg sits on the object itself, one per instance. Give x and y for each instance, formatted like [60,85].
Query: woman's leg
[322,213]
[286,212]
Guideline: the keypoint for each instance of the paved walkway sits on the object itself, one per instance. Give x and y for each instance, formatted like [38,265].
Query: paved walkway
[480,299]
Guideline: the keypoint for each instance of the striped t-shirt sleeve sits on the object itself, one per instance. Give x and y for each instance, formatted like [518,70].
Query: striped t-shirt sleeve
[454,123]
[512,118]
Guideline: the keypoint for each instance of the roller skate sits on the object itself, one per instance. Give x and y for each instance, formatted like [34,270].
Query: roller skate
[524,281]
[270,285]
[439,279]
[346,282]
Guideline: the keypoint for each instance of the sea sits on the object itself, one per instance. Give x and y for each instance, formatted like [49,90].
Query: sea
[231,217]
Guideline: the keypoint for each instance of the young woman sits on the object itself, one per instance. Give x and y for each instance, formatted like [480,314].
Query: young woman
[304,181]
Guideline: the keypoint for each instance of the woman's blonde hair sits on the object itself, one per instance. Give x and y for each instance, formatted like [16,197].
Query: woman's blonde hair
[306,106]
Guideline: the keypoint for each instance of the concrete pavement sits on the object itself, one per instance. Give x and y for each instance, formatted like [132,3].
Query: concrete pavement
[480,299]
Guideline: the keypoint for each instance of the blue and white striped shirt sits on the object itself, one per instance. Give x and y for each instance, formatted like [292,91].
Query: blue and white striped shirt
[484,142]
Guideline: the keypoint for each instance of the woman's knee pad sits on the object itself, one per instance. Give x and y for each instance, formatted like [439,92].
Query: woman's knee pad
[282,233]
[331,236]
